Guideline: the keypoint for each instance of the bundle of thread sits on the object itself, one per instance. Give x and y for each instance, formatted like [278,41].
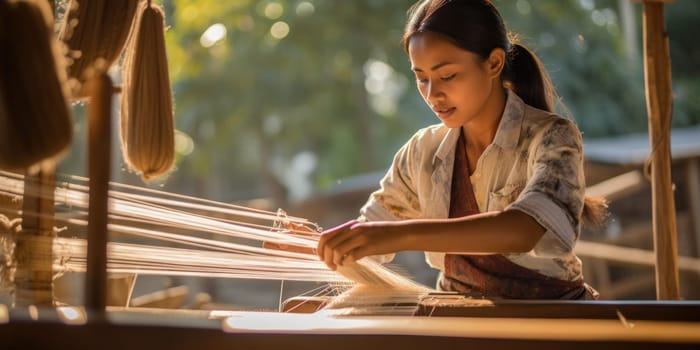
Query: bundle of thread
[35,123]
[379,290]
[147,130]
[92,30]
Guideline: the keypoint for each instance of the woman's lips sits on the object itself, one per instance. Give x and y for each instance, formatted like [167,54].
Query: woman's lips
[443,113]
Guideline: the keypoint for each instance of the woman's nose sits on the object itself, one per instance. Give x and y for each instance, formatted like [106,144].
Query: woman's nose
[432,94]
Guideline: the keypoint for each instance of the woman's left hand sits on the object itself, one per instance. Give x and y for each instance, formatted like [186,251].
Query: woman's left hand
[354,240]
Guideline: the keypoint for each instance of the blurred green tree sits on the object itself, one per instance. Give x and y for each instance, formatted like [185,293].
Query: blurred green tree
[272,91]
[280,98]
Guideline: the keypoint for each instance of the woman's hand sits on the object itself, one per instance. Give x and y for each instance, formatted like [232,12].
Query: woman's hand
[354,240]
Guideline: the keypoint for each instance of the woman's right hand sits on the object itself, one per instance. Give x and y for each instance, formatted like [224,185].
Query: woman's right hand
[355,240]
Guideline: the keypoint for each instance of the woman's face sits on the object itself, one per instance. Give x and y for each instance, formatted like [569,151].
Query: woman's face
[455,83]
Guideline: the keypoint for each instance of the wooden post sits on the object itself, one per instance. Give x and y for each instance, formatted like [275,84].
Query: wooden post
[657,76]
[99,140]
[693,178]
[34,244]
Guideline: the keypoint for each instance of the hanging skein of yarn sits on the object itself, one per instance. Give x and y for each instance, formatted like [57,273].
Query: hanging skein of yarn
[147,130]
[35,122]
[94,29]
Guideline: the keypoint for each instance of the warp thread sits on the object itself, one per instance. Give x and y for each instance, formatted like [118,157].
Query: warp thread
[376,288]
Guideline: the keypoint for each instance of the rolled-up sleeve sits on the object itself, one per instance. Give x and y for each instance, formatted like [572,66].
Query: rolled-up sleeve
[396,198]
[555,189]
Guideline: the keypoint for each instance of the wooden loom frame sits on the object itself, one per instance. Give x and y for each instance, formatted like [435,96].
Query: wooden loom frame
[143,330]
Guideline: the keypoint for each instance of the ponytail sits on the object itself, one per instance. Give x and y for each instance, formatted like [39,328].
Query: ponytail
[595,211]
[526,76]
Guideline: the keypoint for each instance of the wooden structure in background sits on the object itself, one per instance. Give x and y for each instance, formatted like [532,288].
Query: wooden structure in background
[631,227]
[657,77]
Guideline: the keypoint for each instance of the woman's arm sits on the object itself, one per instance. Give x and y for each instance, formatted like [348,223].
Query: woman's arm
[509,231]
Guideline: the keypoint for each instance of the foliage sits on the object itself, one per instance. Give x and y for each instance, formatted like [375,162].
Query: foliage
[334,96]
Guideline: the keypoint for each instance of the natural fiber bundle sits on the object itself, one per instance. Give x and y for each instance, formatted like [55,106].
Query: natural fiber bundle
[595,211]
[378,291]
[147,131]
[35,123]
[95,29]
[371,273]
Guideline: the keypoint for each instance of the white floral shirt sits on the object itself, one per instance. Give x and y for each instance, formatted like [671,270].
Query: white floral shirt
[534,164]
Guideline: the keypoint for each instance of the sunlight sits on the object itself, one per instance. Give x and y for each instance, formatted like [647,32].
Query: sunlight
[4,314]
[183,143]
[273,10]
[279,30]
[289,322]
[305,9]
[212,35]
[72,315]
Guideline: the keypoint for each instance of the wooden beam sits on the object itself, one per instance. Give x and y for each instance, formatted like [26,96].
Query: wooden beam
[99,140]
[618,187]
[171,298]
[633,256]
[34,244]
[657,77]
[311,332]
[632,285]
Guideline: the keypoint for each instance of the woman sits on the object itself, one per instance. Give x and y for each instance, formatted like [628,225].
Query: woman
[494,194]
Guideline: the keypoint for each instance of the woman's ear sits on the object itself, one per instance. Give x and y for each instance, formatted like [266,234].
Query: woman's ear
[496,62]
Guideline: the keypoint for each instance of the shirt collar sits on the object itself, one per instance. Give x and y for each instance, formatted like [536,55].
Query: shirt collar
[507,134]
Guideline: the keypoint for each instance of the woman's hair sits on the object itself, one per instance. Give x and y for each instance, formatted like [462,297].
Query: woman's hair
[477,26]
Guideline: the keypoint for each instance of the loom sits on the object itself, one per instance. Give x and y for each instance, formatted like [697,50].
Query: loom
[385,310]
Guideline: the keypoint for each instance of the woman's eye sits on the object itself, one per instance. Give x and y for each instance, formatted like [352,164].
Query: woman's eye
[421,81]
[449,77]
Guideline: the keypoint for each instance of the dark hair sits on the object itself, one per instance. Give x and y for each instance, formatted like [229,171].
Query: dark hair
[477,26]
